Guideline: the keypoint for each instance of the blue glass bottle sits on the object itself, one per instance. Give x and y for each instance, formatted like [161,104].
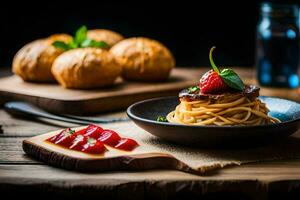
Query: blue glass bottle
[278,46]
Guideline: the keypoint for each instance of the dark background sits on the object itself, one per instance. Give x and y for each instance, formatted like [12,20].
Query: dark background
[188,28]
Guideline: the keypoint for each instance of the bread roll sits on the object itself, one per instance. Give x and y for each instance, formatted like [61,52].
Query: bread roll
[33,62]
[143,59]
[86,68]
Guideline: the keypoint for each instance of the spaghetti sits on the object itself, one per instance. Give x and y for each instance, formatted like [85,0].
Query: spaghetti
[234,110]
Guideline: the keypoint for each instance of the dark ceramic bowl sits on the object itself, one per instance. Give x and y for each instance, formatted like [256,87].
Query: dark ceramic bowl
[144,114]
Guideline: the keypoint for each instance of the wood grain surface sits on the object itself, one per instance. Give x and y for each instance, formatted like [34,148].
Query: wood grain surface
[25,176]
[54,98]
[21,175]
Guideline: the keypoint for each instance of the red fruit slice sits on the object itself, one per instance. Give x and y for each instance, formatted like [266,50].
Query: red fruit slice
[59,135]
[80,132]
[91,140]
[109,137]
[64,138]
[126,144]
[93,131]
[78,142]
[93,147]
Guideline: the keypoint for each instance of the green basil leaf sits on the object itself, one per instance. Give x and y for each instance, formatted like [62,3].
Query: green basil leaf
[232,79]
[93,43]
[161,119]
[80,35]
[80,40]
[193,89]
[86,43]
[212,63]
[100,44]
[73,44]
[61,45]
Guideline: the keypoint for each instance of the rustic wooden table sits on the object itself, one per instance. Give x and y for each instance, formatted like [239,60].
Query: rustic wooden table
[21,175]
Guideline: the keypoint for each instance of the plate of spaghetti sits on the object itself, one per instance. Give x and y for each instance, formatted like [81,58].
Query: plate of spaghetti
[221,110]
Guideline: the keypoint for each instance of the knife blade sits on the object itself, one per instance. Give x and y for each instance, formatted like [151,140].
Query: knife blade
[23,108]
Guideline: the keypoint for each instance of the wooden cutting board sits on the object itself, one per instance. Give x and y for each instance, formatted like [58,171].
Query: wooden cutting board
[140,158]
[154,153]
[54,98]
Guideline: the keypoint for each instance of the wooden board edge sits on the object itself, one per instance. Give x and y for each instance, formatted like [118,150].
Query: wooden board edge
[138,162]
[87,107]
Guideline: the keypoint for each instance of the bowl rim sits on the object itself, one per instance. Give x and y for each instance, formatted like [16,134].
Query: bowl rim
[137,118]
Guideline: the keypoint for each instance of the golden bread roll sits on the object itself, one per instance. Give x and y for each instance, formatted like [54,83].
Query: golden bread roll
[59,37]
[33,62]
[108,36]
[143,59]
[86,68]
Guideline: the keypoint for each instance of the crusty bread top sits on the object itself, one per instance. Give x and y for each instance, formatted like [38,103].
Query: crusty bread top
[140,52]
[108,36]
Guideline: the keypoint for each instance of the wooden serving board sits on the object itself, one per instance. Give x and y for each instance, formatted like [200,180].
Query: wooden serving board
[112,160]
[153,153]
[54,98]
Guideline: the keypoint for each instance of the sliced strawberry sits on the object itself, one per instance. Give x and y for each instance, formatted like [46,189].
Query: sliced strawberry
[64,138]
[91,140]
[59,135]
[109,137]
[93,131]
[93,147]
[212,83]
[126,144]
[78,142]
[80,132]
